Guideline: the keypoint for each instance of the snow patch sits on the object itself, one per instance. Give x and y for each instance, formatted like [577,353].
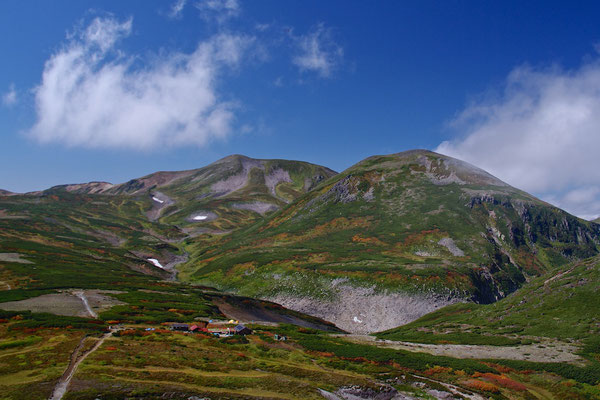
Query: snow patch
[156,263]
[157,200]
[202,215]
[357,320]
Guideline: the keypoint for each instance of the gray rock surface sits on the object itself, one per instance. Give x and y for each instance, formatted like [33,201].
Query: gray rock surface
[361,310]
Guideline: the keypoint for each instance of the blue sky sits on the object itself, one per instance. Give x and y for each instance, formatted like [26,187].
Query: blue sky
[112,90]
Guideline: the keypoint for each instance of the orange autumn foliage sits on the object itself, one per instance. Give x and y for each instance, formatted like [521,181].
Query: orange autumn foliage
[481,385]
[437,370]
[367,240]
[501,380]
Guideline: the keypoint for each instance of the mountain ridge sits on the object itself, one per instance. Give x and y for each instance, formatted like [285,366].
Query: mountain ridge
[416,228]
[410,231]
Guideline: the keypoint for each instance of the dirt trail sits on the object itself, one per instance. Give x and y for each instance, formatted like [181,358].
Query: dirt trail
[81,295]
[546,351]
[557,276]
[63,383]
[454,389]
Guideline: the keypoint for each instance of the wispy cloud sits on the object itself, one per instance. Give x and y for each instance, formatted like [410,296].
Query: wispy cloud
[177,8]
[539,134]
[218,10]
[318,52]
[93,95]
[10,97]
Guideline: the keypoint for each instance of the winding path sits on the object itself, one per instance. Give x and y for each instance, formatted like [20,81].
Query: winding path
[63,383]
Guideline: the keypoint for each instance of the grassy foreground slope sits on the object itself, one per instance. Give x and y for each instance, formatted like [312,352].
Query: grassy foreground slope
[417,223]
[158,364]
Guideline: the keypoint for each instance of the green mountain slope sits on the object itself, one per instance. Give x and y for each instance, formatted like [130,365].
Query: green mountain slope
[117,228]
[562,304]
[56,245]
[218,198]
[395,237]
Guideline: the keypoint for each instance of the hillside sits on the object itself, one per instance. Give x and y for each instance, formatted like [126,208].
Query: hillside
[393,238]
[86,283]
[225,195]
[562,304]
[597,220]
[119,232]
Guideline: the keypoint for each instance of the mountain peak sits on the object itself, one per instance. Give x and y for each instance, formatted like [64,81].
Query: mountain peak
[234,157]
[439,168]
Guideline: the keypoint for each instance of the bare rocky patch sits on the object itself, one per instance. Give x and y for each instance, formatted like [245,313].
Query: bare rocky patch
[160,201]
[361,310]
[14,257]
[258,206]
[237,181]
[66,303]
[451,246]
[275,177]
[548,350]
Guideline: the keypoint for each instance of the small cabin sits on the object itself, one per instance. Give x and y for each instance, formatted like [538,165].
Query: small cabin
[180,327]
[242,330]
[198,327]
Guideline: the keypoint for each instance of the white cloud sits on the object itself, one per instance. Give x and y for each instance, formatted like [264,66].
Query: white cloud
[10,98]
[541,134]
[92,95]
[318,52]
[218,10]
[104,32]
[177,8]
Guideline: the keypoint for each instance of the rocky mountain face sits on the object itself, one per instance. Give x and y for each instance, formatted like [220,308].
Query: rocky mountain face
[393,238]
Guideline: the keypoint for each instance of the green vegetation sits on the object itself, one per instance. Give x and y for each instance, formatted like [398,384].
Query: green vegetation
[26,320]
[563,305]
[151,307]
[414,222]
[9,344]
